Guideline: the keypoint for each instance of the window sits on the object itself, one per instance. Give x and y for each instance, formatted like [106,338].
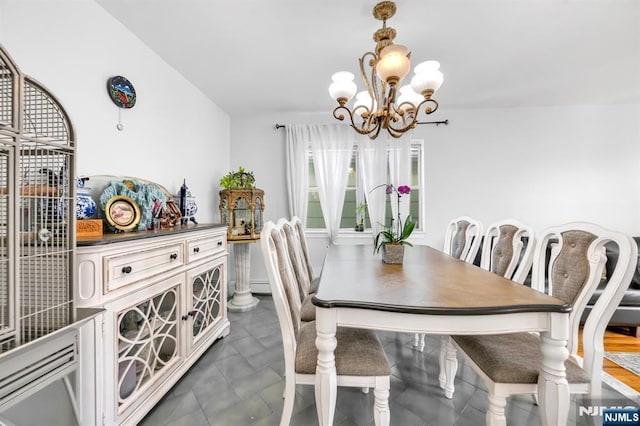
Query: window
[354,195]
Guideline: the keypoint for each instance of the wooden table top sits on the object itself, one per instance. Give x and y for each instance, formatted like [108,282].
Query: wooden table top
[428,282]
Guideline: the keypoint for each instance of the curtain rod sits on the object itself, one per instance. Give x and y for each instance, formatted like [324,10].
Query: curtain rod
[437,123]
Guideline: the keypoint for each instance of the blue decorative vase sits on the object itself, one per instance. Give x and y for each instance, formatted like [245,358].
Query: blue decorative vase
[85,206]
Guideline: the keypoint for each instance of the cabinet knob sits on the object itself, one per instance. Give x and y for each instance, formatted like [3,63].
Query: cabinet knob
[126,269]
[196,249]
[173,256]
[219,243]
[189,314]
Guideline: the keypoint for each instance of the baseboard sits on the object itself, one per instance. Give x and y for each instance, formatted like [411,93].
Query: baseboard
[258,287]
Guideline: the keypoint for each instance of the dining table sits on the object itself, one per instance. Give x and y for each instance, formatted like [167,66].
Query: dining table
[434,293]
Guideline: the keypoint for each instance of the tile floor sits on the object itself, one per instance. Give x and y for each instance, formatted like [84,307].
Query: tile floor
[238,382]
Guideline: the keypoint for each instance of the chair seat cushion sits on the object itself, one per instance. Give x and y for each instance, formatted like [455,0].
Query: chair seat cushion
[307,310]
[512,358]
[358,353]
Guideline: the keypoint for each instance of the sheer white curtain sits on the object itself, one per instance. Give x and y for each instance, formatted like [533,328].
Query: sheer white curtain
[400,172]
[297,170]
[372,162]
[332,147]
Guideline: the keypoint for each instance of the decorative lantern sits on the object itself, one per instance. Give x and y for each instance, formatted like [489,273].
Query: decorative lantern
[241,206]
[241,209]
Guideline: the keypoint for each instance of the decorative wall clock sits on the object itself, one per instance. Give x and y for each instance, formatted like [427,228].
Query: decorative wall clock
[121,92]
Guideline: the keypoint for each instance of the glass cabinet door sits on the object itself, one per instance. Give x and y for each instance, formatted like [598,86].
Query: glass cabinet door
[205,307]
[147,342]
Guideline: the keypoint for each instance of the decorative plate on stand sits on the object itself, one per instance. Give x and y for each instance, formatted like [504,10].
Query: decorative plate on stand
[122,213]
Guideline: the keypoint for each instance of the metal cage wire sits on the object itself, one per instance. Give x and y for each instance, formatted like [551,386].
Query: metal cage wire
[37,214]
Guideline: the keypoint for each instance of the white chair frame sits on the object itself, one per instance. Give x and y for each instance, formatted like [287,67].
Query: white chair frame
[521,261]
[517,270]
[380,384]
[472,238]
[593,331]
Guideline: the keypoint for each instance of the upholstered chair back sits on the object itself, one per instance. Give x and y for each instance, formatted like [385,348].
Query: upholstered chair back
[282,280]
[299,227]
[297,256]
[462,238]
[568,264]
[507,249]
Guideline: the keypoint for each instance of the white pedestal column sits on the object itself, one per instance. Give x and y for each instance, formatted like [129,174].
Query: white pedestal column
[242,300]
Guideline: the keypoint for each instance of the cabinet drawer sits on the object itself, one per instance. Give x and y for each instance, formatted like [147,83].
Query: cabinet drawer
[205,247]
[128,268]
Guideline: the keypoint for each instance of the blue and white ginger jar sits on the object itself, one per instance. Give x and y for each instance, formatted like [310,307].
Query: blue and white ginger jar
[85,206]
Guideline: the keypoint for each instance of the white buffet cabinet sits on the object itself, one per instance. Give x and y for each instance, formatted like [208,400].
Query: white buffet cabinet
[164,295]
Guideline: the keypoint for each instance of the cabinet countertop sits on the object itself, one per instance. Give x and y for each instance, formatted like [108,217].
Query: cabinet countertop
[109,238]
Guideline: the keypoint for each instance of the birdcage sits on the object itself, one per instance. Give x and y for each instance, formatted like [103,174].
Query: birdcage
[37,209]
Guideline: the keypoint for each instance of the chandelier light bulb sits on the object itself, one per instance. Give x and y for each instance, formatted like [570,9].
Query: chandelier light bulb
[428,78]
[407,94]
[343,87]
[393,64]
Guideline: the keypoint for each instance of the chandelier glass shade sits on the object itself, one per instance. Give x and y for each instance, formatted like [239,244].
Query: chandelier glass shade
[385,104]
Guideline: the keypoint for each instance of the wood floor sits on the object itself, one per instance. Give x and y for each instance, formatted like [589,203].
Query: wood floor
[621,339]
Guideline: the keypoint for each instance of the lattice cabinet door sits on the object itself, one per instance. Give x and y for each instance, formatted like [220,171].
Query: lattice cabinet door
[205,302]
[147,341]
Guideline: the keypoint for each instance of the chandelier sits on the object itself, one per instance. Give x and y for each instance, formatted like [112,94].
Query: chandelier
[377,107]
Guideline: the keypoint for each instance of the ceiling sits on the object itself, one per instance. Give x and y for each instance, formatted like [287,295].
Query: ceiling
[278,55]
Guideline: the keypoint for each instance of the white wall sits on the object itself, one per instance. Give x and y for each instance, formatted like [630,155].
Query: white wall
[173,133]
[543,166]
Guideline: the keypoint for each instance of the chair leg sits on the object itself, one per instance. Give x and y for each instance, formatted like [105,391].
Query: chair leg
[418,341]
[289,399]
[381,413]
[448,366]
[495,411]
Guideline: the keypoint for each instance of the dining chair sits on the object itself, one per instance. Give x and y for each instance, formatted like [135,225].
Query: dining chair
[296,255]
[568,264]
[461,240]
[313,279]
[507,250]
[359,356]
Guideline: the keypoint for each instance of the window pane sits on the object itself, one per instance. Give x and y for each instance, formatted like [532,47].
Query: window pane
[416,183]
[415,167]
[414,208]
[351,182]
[312,173]
[348,219]
[314,211]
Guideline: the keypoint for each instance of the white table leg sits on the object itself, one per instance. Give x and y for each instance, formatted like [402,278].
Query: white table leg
[326,380]
[553,388]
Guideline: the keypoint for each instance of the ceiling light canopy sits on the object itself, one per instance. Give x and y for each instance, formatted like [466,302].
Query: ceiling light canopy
[376,107]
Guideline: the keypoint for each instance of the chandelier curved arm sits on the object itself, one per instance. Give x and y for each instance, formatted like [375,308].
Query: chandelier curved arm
[369,124]
[428,109]
[411,120]
[372,84]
